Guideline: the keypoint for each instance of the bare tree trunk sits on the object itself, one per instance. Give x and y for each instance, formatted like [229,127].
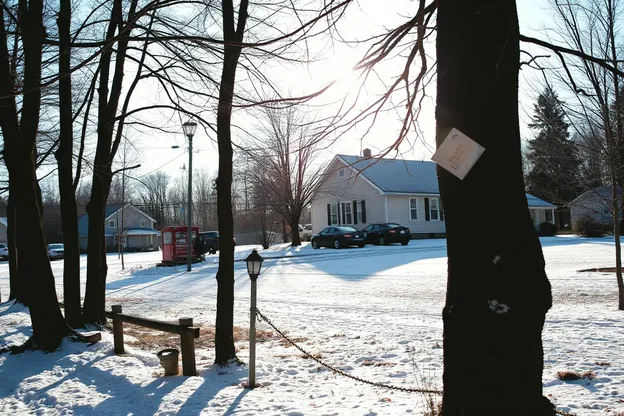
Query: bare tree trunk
[97,269]
[64,156]
[294,226]
[232,35]
[498,293]
[48,324]
[17,281]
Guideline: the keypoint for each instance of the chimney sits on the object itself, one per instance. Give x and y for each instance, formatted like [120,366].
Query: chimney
[366,153]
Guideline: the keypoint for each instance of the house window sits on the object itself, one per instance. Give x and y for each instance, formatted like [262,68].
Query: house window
[341,172]
[111,224]
[142,223]
[358,212]
[434,209]
[549,216]
[413,209]
[334,214]
[346,213]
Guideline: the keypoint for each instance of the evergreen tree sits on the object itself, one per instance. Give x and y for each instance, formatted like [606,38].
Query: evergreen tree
[552,157]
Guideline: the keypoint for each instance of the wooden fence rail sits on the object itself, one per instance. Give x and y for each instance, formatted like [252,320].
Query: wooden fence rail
[184,328]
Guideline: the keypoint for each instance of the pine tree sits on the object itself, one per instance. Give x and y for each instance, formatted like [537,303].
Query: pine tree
[552,157]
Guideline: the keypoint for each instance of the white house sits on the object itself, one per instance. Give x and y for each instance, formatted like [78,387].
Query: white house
[596,203]
[358,191]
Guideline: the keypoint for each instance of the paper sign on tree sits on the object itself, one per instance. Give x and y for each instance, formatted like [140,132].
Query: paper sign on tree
[458,153]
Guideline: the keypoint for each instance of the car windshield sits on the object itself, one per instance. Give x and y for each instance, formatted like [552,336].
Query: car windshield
[347,229]
[56,246]
[2,245]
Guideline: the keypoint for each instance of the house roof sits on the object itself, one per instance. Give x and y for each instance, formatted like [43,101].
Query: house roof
[603,192]
[408,176]
[397,175]
[535,202]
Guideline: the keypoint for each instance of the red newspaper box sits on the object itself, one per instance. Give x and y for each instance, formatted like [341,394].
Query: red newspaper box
[174,244]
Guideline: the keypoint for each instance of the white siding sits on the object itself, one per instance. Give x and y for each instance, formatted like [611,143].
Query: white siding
[594,206]
[399,212]
[346,188]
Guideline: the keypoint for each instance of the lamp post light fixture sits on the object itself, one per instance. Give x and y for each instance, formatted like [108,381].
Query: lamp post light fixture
[254,264]
[189,131]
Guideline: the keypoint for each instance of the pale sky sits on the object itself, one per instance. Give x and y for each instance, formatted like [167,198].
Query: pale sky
[156,153]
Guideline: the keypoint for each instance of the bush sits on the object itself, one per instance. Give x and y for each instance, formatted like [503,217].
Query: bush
[589,227]
[547,229]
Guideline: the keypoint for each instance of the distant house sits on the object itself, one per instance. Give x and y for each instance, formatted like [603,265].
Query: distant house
[3,229]
[138,228]
[596,204]
[357,191]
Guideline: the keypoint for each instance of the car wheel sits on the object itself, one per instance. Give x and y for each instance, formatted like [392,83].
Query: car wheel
[315,244]
[382,240]
[336,244]
[211,250]
[361,245]
[404,243]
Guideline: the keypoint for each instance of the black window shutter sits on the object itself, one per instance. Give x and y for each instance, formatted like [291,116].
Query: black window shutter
[328,214]
[363,211]
[441,211]
[354,212]
[344,215]
[427,214]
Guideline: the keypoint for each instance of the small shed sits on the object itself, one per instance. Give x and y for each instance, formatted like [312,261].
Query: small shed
[174,244]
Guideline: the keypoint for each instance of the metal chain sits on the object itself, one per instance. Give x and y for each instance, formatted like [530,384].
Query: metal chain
[338,371]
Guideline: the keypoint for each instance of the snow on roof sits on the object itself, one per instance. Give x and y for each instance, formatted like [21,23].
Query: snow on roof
[141,231]
[535,202]
[3,221]
[397,175]
[409,176]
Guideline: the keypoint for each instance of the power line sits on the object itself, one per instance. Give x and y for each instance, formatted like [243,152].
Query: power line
[161,166]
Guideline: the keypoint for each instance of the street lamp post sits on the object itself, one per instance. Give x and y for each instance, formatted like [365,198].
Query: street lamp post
[254,264]
[189,130]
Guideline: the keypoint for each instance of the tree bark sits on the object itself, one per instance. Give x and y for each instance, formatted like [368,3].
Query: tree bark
[224,327]
[294,226]
[97,269]
[497,293]
[17,281]
[48,324]
[64,156]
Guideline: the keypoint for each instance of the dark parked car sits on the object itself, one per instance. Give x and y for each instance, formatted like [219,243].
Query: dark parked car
[387,233]
[210,242]
[338,237]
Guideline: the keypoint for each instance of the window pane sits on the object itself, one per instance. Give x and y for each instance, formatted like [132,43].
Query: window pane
[413,209]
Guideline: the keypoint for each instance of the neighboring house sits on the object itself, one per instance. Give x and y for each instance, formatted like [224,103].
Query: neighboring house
[3,230]
[596,204]
[358,191]
[138,229]
[540,210]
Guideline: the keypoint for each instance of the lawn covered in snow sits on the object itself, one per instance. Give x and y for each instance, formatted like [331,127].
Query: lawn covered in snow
[374,313]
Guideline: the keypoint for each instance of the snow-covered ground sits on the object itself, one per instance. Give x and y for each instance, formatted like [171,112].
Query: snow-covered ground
[374,313]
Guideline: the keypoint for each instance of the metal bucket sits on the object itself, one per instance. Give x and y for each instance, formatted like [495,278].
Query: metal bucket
[169,359]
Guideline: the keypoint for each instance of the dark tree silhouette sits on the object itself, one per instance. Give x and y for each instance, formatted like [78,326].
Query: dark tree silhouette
[553,158]
[498,293]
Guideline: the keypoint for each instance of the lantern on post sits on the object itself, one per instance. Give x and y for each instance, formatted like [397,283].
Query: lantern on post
[254,264]
[189,131]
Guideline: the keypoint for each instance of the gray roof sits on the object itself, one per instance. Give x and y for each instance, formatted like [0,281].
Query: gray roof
[397,175]
[602,192]
[409,176]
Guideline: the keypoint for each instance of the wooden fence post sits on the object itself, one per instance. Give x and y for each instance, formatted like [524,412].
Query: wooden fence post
[118,340]
[187,343]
